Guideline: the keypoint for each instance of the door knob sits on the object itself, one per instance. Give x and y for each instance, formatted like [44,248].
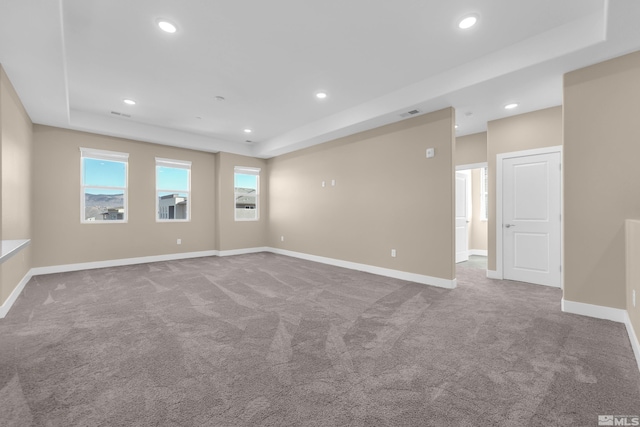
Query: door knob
[509,225]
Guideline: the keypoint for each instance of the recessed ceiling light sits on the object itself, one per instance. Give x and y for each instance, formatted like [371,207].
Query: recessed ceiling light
[129,102]
[248,130]
[321,95]
[167,26]
[468,22]
[510,106]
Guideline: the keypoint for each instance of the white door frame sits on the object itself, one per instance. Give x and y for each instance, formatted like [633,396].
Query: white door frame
[471,166]
[467,201]
[499,228]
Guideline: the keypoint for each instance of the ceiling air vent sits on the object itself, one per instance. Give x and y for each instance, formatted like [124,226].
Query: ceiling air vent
[116,113]
[410,113]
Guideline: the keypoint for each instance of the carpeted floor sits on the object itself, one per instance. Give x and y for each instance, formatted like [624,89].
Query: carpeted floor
[268,340]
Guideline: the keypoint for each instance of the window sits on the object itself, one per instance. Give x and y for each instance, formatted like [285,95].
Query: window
[247,193]
[484,195]
[103,186]
[173,190]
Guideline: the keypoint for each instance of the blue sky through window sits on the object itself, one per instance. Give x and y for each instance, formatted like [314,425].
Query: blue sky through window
[246,181]
[172,178]
[104,173]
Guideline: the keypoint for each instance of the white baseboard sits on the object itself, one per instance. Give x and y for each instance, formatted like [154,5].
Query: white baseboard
[607,313]
[492,274]
[633,338]
[120,262]
[243,251]
[4,308]
[387,272]
[597,311]
[397,274]
[479,252]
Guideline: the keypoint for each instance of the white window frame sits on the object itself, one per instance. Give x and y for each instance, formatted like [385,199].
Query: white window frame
[245,170]
[177,164]
[484,194]
[111,156]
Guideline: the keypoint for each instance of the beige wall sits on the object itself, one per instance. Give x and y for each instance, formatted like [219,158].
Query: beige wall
[16,141]
[542,128]
[471,149]
[62,239]
[388,195]
[478,227]
[233,234]
[633,271]
[601,177]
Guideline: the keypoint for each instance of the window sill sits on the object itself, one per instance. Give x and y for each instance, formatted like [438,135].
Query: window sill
[12,247]
[114,221]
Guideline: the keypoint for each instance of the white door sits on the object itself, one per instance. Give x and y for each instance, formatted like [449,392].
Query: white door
[531,219]
[462,236]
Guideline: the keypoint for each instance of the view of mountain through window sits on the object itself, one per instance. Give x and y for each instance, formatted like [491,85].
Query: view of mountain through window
[246,191]
[104,186]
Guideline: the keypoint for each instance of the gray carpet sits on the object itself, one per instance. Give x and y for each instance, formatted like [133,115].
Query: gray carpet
[268,340]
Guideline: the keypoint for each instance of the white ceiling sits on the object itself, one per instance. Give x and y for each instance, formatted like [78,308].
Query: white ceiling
[73,62]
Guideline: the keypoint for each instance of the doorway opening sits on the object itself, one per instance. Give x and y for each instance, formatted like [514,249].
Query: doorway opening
[471,216]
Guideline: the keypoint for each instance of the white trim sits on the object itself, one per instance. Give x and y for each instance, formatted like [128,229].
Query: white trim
[12,247]
[596,311]
[120,262]
[6,306]
[242,170]
[243,251]
[471,166]
[112,156]
[484,194]
[478,252]
[498,224]
[396,274]
[607,313]
[246,170]
[172,163]
[491,274]
[633,338]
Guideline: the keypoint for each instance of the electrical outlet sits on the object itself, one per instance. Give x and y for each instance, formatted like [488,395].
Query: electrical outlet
[179,241]
[393,253]
[323,184]
[333,182]
[282,238]
[633,297]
